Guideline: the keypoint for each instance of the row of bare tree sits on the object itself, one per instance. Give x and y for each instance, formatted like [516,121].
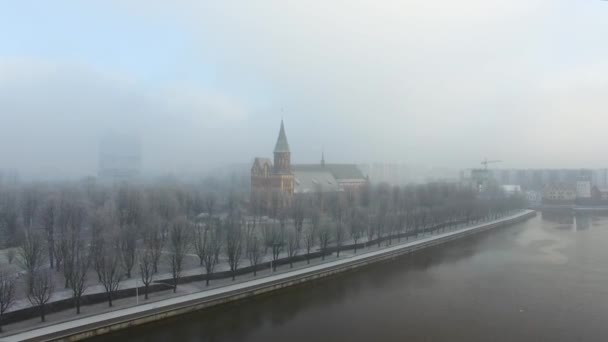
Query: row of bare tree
[89,233]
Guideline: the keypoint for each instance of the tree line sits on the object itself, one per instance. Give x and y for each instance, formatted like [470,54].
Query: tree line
[85,233]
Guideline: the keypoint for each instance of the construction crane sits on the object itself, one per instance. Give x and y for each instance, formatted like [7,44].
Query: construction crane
[485,163]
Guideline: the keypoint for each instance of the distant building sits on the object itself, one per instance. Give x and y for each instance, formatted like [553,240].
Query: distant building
[9,177]
[559,194]
[583,188]
[600,195]
[534,198]
[276,183]
[511,189]
[119,158]
[479,179]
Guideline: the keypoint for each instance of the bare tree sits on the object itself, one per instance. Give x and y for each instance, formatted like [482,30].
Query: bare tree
[292,239]
[234,243]
[40,289]
[179,241]
[10,255]
[73,214]
[370,227]
[32,253]
[155,238]
[339,234]
[325,232]
[255,250]
[357,226]
[9,216]
[337,206]
[78,275]
[30,202]
[310,238]
[277,242]
[110,270]
[96,249]
[382,198]
[7,292]
[209,204]
[298,213]
[130,212]
[200,234]
[102,224]
[213,246]
[48,213]
[146,269]
[127,247]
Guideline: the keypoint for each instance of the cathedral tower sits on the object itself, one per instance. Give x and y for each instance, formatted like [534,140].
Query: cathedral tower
[282,155]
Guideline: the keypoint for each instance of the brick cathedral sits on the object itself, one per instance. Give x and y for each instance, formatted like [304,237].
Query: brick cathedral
[280,181]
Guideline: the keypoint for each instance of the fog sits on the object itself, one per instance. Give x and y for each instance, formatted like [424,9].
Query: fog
[203,84]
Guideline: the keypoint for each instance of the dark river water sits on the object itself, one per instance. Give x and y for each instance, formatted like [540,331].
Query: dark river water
[542,280]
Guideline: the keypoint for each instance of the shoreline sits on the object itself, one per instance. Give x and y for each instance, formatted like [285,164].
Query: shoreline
[108,322]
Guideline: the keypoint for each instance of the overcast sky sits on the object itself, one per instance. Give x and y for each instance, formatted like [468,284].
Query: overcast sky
[439,82]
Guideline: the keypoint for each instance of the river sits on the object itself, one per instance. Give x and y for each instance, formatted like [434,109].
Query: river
[542,280]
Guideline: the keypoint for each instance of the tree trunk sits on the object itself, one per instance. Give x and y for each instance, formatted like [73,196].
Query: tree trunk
[255,270]
[110,299]
[207,281]
[146,291]
[42,316]
[78,305]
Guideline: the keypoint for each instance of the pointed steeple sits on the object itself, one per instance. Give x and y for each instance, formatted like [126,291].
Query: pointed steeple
[282,144]
[323,157]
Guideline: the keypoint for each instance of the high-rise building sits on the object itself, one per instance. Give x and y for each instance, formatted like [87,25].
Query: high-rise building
[119,158]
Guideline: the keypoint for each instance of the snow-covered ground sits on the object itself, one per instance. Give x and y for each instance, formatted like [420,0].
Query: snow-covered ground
[247,282]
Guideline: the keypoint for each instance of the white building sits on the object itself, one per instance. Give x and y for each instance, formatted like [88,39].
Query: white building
[511,189]
[583,189]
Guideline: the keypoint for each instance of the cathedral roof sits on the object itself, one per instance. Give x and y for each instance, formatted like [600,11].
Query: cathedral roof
[339,171]
[282,144]
[315,181]
[260,162]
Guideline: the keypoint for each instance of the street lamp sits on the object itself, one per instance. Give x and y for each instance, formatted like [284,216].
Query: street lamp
[137,287]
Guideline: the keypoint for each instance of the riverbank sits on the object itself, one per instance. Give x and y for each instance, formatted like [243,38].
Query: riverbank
[120,319]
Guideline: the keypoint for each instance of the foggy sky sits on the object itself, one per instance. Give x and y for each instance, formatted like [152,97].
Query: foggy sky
[440,82]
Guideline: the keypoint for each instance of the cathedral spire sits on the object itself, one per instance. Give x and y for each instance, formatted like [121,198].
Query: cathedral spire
[323,157]
[282,144]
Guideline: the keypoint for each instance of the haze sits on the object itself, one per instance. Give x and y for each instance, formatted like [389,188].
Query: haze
[201,84]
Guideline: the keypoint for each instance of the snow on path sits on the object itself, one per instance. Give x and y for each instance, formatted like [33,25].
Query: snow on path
[57,328]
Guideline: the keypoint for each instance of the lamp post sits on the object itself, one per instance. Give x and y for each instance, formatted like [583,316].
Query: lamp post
[137,287]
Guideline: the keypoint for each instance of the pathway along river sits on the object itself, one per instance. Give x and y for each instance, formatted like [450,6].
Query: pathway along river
[542,280]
